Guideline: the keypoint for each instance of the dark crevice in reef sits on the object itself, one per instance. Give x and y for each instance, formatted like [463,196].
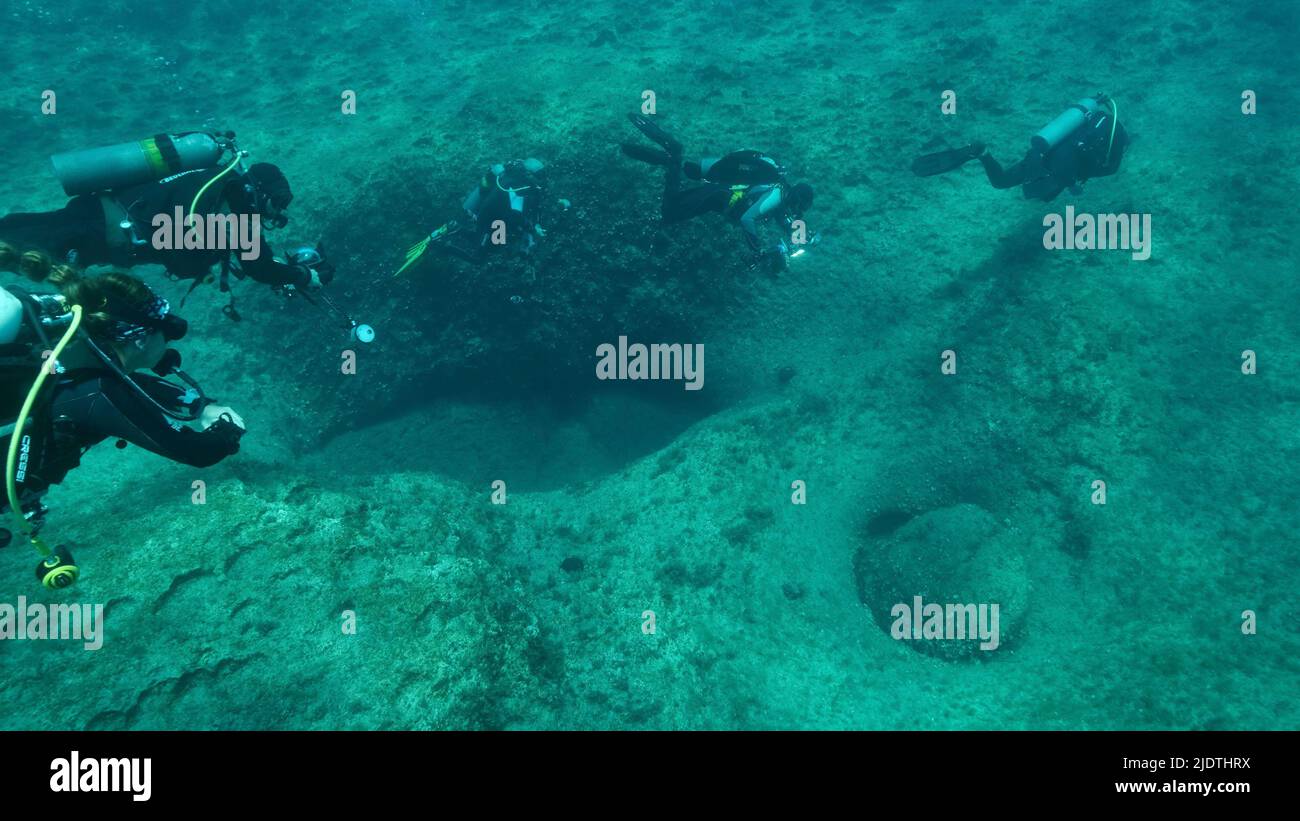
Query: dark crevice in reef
[886,522]
[523,330]
[533,445]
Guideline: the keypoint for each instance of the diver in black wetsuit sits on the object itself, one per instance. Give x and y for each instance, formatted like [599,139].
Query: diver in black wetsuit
[506,208]
[116,227]
[508,196]
[100,393]
[511,193]
[1084,142]
[747,187]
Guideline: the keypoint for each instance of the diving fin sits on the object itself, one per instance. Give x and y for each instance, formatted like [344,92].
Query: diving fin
[654,132]
[646,155]
[416,251]
[943,161]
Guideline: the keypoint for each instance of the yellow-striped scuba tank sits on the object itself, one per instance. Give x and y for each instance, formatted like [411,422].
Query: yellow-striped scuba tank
[91,170]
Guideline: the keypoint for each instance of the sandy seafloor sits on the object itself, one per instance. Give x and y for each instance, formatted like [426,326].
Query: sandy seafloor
[373,495]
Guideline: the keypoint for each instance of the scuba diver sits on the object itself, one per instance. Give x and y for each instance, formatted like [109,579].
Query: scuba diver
[1084,142]
[118,192]
[505,208]
[746,187]
[90,388]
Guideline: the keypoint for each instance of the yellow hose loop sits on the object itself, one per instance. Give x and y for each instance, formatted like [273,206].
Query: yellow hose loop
[189,220]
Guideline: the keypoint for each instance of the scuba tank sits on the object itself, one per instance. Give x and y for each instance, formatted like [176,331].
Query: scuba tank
[11,317]
[25,321]
[745,167]
[117,166]
[49,313]
[1050,135]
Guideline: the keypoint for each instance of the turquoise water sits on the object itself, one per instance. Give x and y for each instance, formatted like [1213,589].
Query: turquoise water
[372,493]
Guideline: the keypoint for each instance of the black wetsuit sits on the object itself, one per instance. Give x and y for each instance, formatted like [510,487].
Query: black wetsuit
[91,405]
[744,203]
[76,227]
[80,232]
[1079,157]
[493,200]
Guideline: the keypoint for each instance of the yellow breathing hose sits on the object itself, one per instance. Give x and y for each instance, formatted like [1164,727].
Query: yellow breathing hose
[47,367]
[239,155]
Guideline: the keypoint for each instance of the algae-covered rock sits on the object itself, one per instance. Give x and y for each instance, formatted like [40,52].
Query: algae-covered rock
[956,555]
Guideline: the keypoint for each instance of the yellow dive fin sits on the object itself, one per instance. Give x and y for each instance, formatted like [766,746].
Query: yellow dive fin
[416,251]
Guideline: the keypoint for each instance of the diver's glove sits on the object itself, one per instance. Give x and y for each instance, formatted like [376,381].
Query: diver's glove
[227,432]
[312,278]
[324,270]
